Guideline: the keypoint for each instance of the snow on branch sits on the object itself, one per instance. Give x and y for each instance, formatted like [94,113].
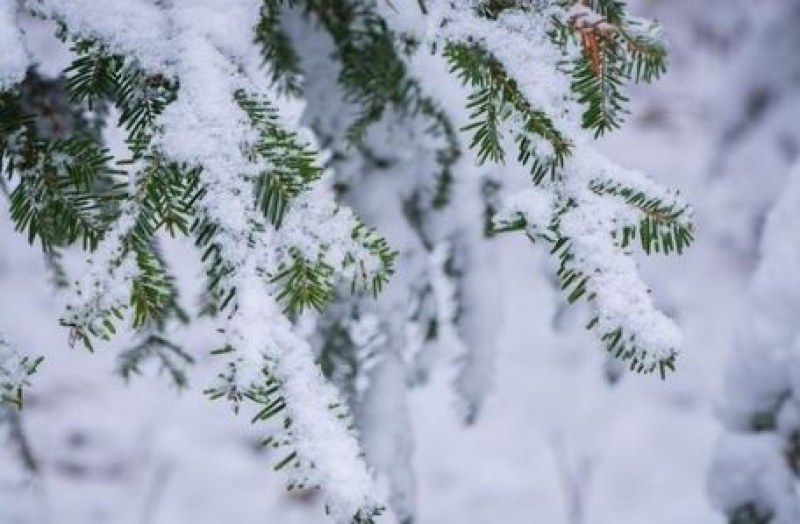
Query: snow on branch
[134,28]
[103,292]
[214,148]
[539,72]
[204,91]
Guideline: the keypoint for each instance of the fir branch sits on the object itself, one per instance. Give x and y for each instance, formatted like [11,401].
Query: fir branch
[598,85]
[277,49]
[620,343]
[614,49]
[96,75]
[382,81]
[54,200]
[65,191]
[267,398]
[495,99]
[304,284]
[665,226]
[292,165]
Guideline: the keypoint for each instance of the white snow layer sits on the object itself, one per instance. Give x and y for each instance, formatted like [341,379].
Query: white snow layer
[206,128]
[763,378]
[136,28]
[14,59]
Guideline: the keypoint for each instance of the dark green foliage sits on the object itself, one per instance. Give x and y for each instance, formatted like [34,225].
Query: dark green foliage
[495,100]
[292,166]
[96,76]
[664,228]
[65,192]
[304,284]
[219,292]
[56,204]
[375,78]
[372,84]
[599,86]
[153,319]
[613,52]
[279,53]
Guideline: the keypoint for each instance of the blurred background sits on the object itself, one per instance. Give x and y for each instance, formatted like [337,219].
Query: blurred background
[563,437]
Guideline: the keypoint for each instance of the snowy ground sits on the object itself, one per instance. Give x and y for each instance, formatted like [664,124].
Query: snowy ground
[555,444]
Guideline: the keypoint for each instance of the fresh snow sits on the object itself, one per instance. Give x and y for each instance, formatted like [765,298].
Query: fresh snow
[640,449]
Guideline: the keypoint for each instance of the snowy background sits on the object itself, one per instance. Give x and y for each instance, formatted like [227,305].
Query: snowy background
[557,442]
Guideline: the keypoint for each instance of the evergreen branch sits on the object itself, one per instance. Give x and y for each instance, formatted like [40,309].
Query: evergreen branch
[578,271]
[614,49]
[613,11]
[304,284]
[665,226]
[165,198]
[645,49]
[166,194]
[92,76]
[372,84]
[495,100]
[486,118]
[618,342]
[382,81]
[598,86]
[277,49]
[55,200]
[266,396]
[97,75]
[377,246]
[66,190]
